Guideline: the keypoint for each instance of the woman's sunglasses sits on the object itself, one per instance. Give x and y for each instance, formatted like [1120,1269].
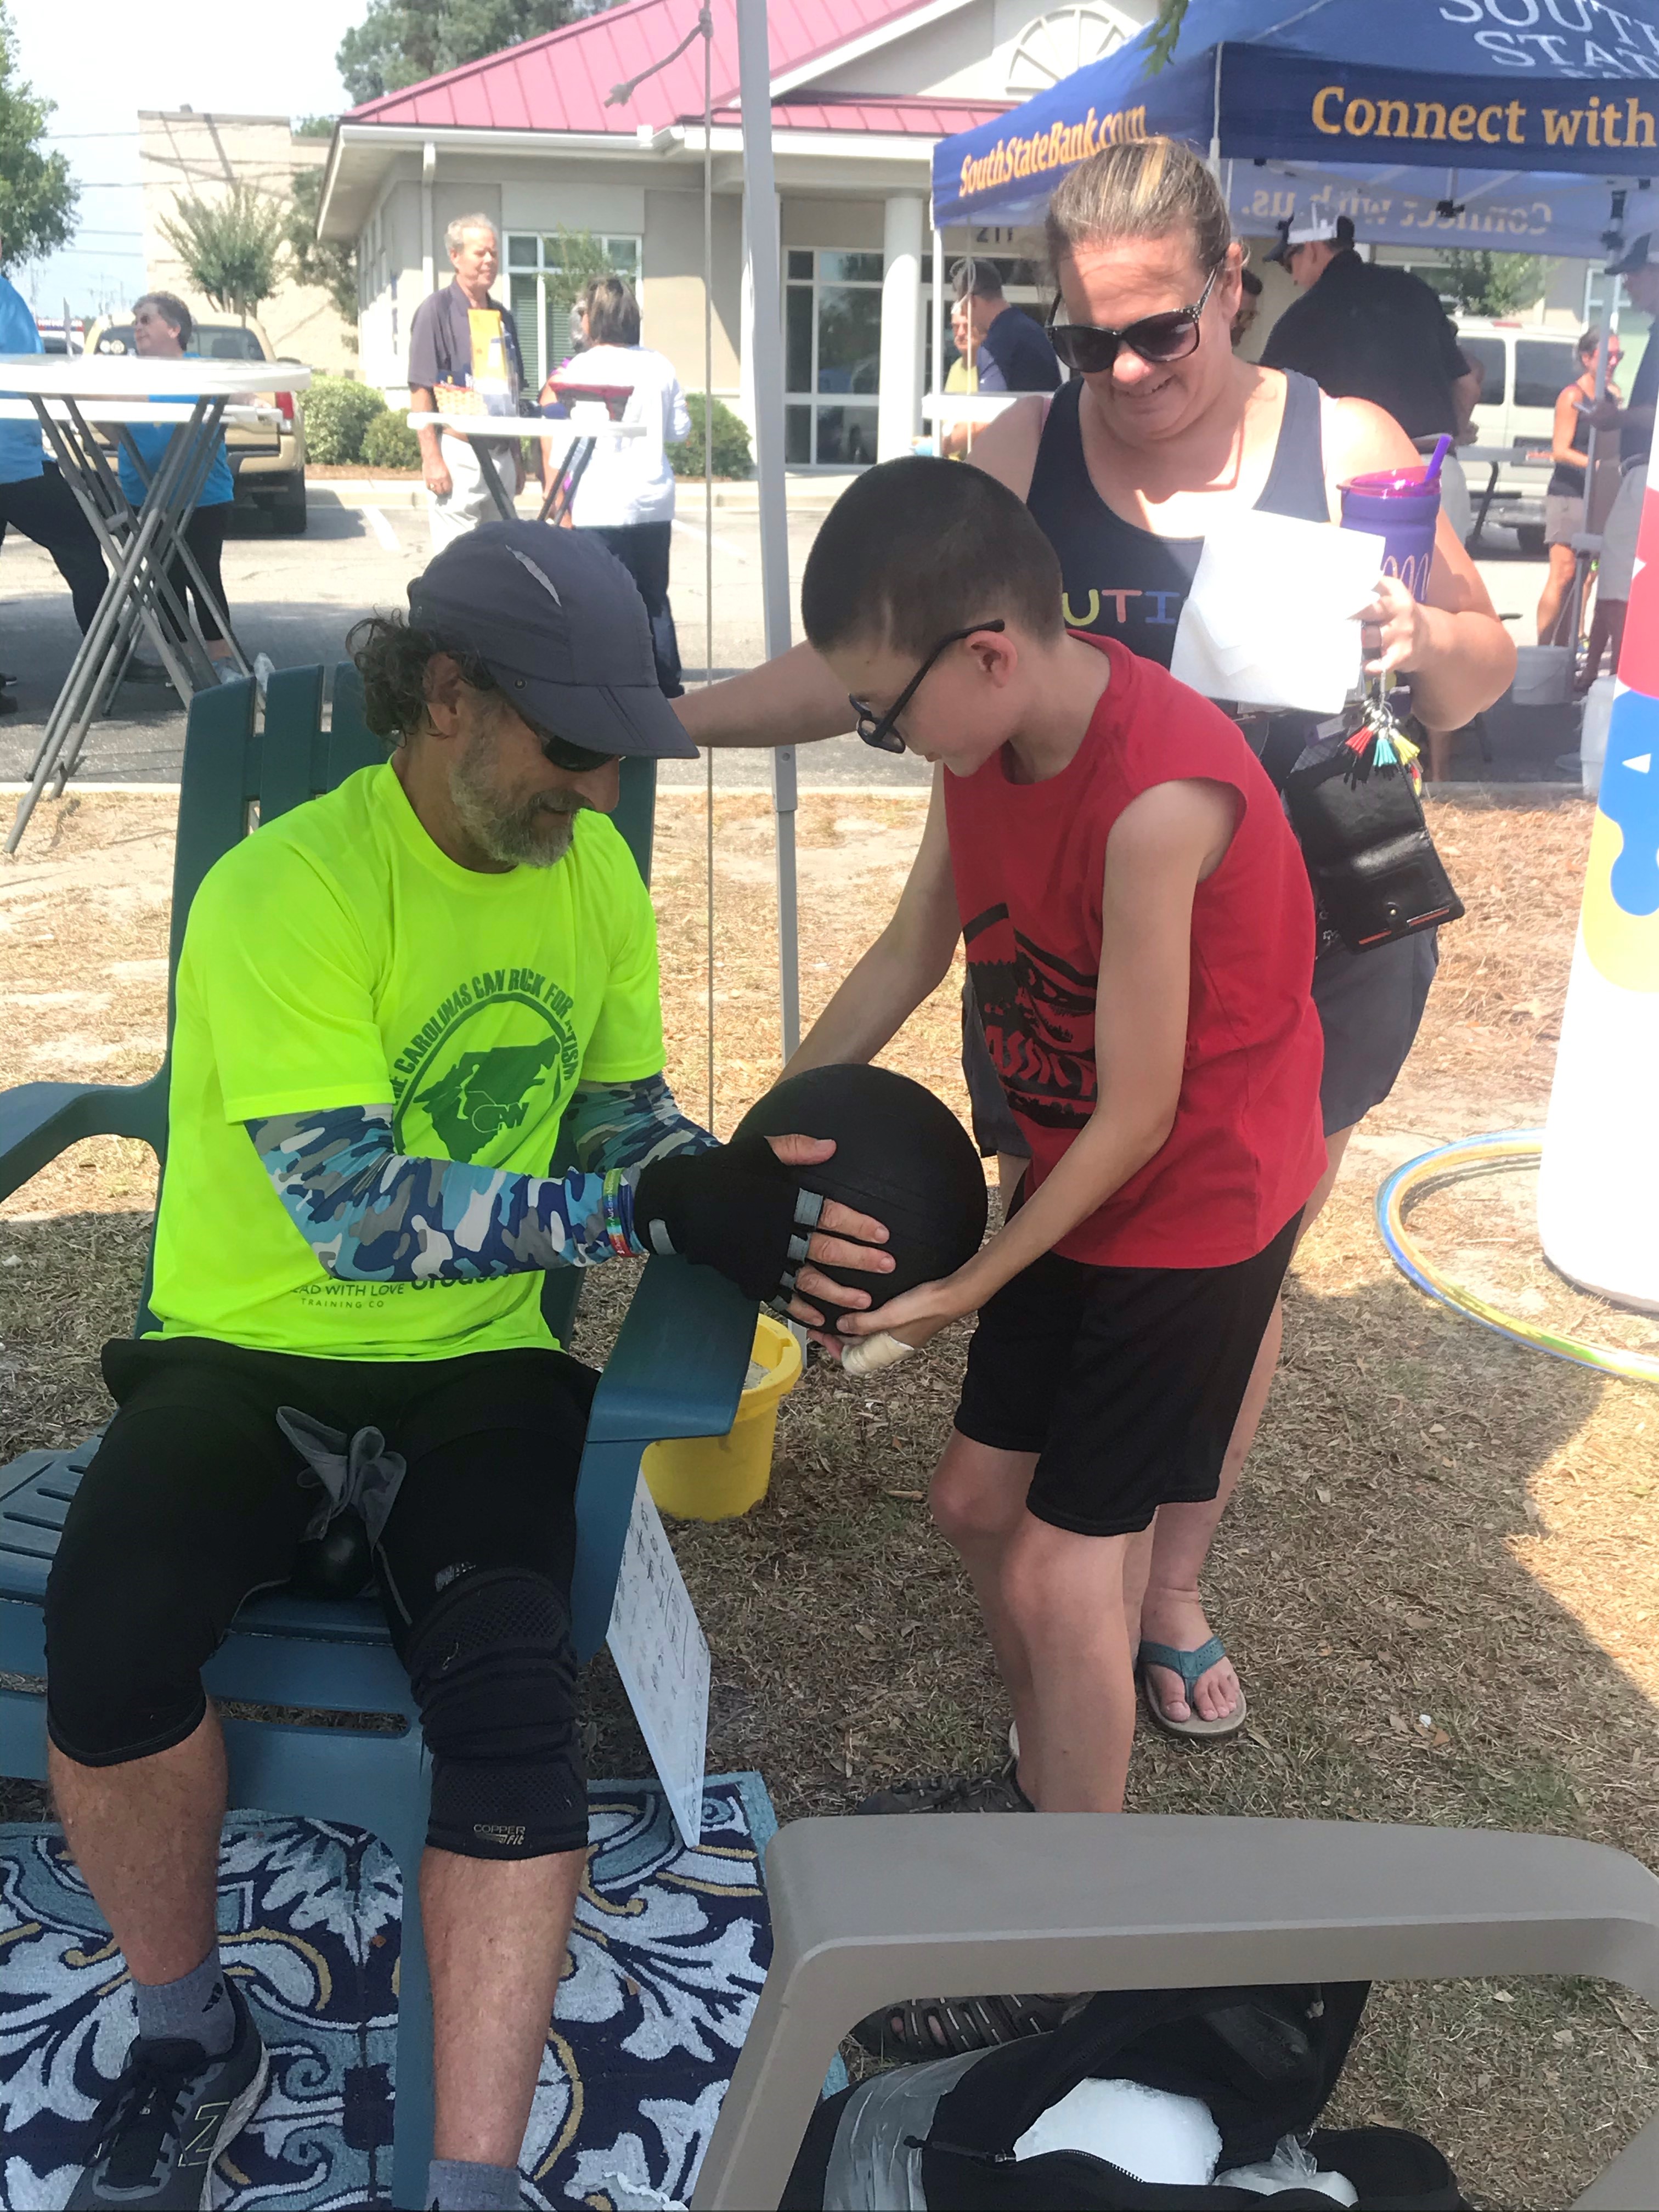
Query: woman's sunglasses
[1090,348]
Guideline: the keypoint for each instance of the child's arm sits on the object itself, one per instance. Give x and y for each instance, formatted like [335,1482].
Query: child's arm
[909,960]
[1161,848]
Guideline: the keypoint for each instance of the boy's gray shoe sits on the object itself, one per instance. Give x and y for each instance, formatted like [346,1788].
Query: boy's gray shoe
[168,2117]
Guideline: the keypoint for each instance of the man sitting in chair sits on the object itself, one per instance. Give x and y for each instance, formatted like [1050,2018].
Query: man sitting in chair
[391,1004]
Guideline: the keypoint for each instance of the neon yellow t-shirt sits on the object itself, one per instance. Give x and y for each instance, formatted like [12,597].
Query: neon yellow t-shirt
[337,957]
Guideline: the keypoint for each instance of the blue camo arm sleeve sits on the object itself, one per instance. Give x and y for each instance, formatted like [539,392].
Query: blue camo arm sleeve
[628,1125]
[372,1214]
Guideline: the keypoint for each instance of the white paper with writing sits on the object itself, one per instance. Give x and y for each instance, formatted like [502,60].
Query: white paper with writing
[1270,620]
[662,1655]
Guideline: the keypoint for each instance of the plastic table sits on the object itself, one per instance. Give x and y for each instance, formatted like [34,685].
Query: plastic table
[580,432]
[67,393]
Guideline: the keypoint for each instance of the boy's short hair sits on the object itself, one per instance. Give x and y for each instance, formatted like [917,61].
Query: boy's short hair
[916,549]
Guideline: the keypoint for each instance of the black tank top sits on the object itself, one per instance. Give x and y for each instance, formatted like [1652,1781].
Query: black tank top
[1126,582]
[1565,482]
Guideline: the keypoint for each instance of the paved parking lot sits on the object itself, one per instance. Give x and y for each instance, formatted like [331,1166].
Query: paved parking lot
[296,598]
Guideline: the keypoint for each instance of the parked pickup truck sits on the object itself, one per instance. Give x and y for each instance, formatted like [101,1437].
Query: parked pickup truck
[269,466]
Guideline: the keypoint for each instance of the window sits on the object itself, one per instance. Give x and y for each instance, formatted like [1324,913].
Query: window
[539,304]
[832,357]
[1487,355]
[1543,369]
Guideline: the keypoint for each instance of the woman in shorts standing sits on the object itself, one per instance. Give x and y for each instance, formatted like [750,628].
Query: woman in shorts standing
[1564,495]
[162,329]
[1165,435]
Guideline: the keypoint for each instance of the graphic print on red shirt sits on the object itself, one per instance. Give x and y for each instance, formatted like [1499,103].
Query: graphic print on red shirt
[1029,861]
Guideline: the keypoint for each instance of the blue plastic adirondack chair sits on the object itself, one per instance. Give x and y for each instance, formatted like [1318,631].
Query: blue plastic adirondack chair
[677,1371]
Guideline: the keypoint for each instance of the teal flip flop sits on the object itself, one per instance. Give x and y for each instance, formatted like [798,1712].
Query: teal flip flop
[1189,1665]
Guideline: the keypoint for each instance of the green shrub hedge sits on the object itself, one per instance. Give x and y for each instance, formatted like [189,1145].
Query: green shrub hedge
[389,443]
[337,410]
[732,455]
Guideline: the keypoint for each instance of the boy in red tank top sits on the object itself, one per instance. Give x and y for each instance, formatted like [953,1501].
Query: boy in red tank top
[1140,936]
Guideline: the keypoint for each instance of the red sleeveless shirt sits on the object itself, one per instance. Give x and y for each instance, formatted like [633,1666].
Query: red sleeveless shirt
[1029,860]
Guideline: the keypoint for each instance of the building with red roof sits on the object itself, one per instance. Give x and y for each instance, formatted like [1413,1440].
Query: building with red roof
[534,139]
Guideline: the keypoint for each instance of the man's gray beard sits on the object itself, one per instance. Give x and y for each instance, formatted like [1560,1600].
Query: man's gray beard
[534,835]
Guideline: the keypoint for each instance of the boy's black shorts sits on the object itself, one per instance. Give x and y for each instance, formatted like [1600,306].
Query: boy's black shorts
[1126,1382]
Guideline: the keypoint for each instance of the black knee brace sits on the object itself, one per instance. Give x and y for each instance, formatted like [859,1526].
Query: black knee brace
[494,1671]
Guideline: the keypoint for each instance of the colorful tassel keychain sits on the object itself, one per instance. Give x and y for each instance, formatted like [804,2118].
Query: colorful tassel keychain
[1380,742]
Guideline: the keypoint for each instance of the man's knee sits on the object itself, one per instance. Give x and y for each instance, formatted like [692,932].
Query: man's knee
[123,1668]
[493,1667]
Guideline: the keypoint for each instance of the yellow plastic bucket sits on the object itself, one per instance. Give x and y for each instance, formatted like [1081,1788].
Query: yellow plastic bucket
[716,1478]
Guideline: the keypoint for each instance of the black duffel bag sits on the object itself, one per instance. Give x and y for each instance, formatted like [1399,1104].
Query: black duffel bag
[1264,2060]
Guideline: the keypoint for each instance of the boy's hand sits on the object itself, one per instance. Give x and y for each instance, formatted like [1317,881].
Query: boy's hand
[914,1317]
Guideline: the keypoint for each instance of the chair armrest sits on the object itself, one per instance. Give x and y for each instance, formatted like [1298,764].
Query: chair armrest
[865,1912]
[39,1121]
[680,1359]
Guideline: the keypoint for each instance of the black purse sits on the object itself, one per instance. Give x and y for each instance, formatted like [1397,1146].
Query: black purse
[1353,802]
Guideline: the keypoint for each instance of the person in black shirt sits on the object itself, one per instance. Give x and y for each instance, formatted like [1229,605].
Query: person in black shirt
[1011,352]
[1365,332]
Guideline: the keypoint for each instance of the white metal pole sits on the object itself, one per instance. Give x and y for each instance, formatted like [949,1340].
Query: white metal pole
[937,388]
[760,202]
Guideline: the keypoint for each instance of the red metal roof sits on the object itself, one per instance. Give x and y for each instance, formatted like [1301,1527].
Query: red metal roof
[560,81]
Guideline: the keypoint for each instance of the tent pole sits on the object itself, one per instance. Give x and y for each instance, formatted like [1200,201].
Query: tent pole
[1215,117]
[939,333]
[761,203]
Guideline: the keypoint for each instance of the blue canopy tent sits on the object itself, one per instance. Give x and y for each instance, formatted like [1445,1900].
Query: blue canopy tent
[1496,124]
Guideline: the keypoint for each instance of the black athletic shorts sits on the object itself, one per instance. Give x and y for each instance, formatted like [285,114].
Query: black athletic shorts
[194,1501]
[1126,1382]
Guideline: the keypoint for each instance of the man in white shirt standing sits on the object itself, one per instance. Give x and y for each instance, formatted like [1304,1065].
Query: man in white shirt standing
[464,358]
[626,495]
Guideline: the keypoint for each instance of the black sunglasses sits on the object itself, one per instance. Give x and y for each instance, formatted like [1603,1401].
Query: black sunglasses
[575,760]
[1088,348]
[878,730]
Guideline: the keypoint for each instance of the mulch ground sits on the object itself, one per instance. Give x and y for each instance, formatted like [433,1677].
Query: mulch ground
[1439,1579]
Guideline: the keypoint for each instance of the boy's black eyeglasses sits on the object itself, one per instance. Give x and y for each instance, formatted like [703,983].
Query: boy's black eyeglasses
[1088,348]
[879,730]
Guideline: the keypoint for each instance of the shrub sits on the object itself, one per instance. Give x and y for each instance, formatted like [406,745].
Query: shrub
[337,410]
[732,455]
[389,443]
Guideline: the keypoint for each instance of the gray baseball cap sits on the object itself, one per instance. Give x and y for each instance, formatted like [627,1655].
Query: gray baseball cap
[560,624]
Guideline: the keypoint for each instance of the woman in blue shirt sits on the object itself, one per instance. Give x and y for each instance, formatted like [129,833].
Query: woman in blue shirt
[161,331]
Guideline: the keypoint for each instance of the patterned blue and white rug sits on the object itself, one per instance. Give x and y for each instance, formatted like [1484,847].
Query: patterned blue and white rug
[667,1957]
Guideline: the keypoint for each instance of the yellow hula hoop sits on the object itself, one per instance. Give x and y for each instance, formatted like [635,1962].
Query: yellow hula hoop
[1466,1155]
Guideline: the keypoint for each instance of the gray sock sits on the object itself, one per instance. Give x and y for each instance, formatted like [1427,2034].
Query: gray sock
[465,2184]
[196,2008]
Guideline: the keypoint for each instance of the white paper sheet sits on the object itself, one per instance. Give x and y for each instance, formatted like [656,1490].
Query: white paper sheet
[1271,617]
[662,1655]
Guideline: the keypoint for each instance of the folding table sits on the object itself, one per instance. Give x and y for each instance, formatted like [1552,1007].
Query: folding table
[65,393]
[481,431]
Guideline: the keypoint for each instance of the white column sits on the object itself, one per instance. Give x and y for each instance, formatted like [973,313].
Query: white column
[898,415]
[428,243]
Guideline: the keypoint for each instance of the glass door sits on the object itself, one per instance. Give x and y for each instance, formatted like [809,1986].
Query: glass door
[832,357]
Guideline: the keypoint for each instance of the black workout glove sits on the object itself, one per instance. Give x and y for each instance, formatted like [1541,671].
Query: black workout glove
[749,1218]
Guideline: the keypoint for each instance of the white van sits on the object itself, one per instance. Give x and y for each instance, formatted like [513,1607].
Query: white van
[1526,367]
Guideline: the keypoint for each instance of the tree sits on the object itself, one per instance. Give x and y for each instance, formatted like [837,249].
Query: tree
[399,42]
[38,196]
[1166,29]
[231,248]
[1491,284]
[332,268]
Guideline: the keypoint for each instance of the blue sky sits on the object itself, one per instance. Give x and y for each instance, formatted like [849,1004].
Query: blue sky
[246,59]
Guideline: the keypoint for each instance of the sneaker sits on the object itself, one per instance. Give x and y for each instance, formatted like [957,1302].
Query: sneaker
[954,1793]
[172,2112]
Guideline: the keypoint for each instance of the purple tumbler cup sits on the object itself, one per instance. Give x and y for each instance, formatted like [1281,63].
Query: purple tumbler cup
[1401,506]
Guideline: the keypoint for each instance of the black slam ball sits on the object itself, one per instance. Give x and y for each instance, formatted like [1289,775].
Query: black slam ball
[901,1156]
[339,1563]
